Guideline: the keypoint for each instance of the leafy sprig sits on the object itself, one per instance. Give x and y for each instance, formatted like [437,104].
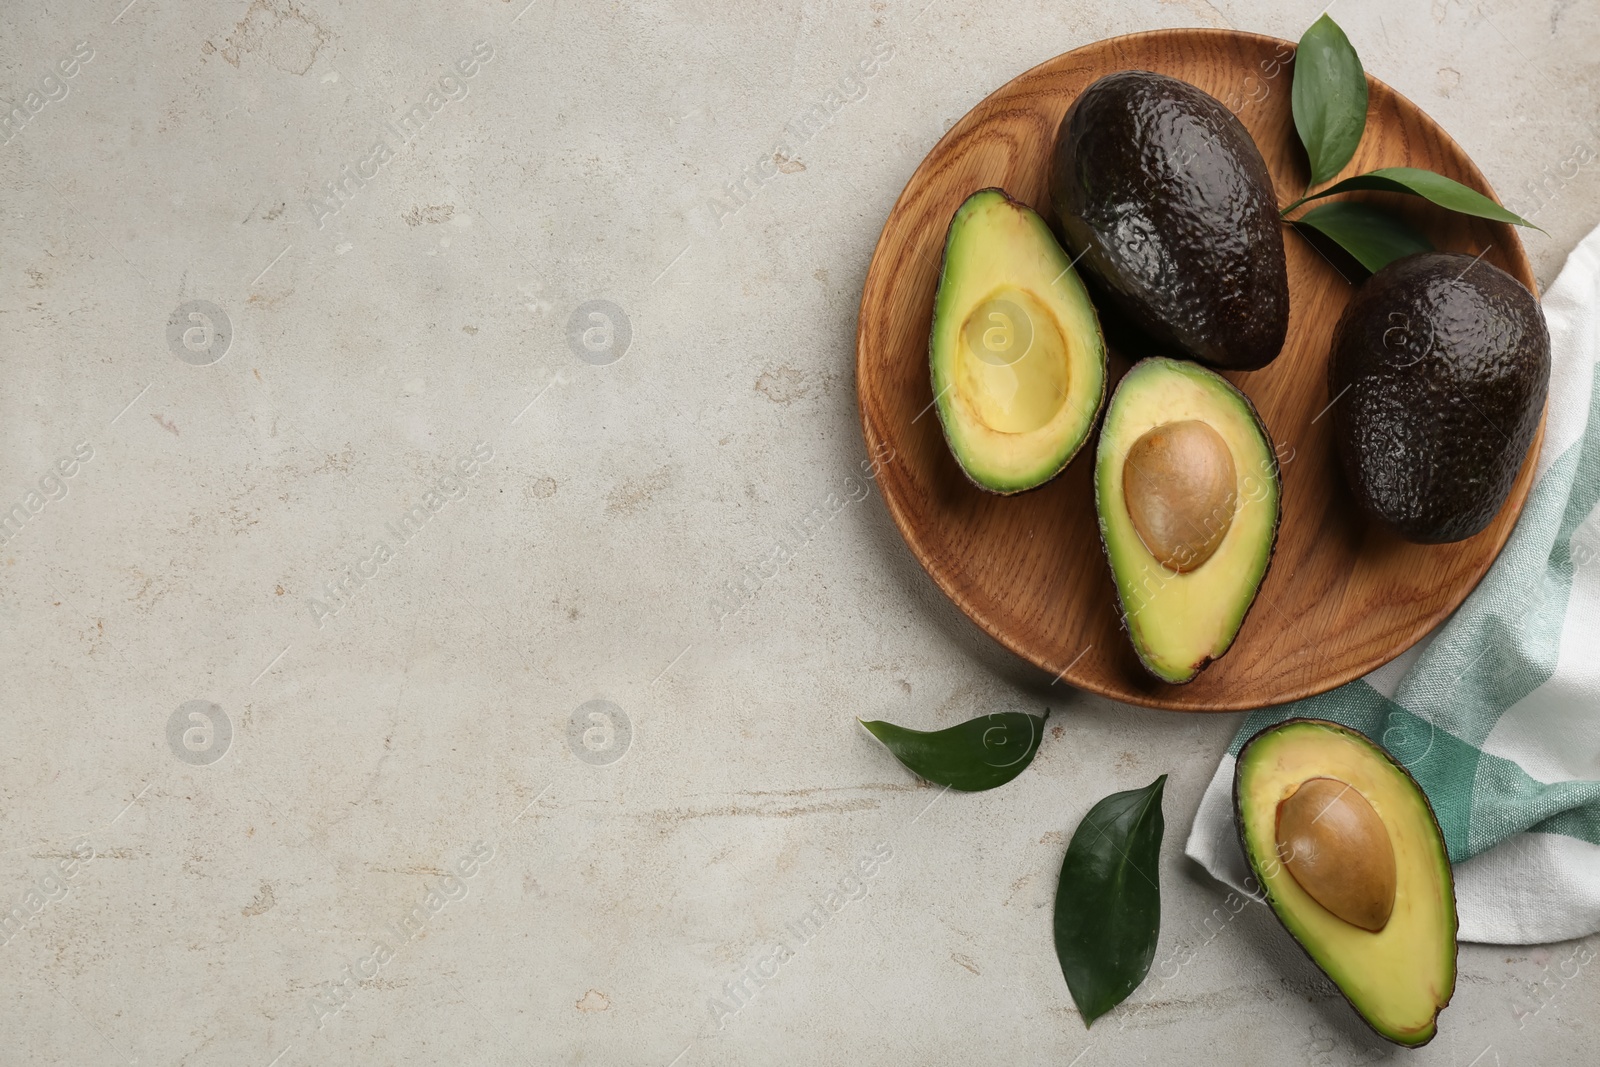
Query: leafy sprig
[1329,99]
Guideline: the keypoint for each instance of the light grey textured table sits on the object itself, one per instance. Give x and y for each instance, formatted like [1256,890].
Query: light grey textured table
[288,280]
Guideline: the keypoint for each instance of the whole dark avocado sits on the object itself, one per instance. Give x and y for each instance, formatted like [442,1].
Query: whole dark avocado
[1161,191]
[1438,377]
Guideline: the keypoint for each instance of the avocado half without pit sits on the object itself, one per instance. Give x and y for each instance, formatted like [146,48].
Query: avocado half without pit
[1186,487]
[1344,845]
[1016,356]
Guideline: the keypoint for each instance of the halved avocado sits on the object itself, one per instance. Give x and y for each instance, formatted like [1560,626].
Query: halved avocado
[1346,849]
[1186,486]
[1018,362]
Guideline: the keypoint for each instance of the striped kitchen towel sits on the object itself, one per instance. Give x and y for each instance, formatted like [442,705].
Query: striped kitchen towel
[1497,712]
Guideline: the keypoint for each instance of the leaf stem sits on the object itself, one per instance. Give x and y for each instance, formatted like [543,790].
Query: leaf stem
[1285,212]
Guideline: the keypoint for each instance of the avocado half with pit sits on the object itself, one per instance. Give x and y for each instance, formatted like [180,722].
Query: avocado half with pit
[1346,850]
[1017,359]
[1186,487]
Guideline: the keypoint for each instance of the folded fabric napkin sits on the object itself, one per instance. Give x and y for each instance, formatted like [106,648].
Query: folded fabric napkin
[1497,713]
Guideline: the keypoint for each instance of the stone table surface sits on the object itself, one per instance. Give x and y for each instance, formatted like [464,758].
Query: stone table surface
[334,529]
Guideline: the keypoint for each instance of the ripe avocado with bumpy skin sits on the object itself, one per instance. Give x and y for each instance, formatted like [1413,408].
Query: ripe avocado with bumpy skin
[1440,367]
[1162,192]
[1016,356]
[1187,491]
[1344,846]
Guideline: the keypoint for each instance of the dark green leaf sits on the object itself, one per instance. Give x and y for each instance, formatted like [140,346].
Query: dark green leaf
[1108,903]
[1376,238]
[977,755]
[1329,98]
[1431,186]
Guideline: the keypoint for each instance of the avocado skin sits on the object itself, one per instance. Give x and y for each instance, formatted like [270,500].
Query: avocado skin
[1165,196]
[1439,371]
[1244,846]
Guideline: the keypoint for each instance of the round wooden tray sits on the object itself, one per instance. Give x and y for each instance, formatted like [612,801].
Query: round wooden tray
[1342,596]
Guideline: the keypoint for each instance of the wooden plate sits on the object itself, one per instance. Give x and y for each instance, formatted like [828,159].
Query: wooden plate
[1342,596]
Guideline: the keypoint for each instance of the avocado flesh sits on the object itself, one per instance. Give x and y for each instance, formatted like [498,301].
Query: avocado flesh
[1165,196]
[1180,621]
[1017,359]
[1439,372]
[1400,977]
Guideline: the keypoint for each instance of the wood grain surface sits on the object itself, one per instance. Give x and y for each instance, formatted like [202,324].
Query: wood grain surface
[1342,596]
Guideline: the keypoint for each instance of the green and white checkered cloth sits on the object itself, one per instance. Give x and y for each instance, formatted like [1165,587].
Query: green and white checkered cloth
[1497,712]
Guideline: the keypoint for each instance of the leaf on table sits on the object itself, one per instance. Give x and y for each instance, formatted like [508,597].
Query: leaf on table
[1374,237]
[1425,183]
[1329,98]
[979,754]
[1108,902]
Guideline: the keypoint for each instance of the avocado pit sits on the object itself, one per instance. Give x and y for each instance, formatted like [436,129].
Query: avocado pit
[1179,484]
[1339,851]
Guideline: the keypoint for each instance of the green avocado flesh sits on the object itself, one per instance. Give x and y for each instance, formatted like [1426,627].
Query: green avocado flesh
[1018,363]
[1180,618]
[1398,978]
